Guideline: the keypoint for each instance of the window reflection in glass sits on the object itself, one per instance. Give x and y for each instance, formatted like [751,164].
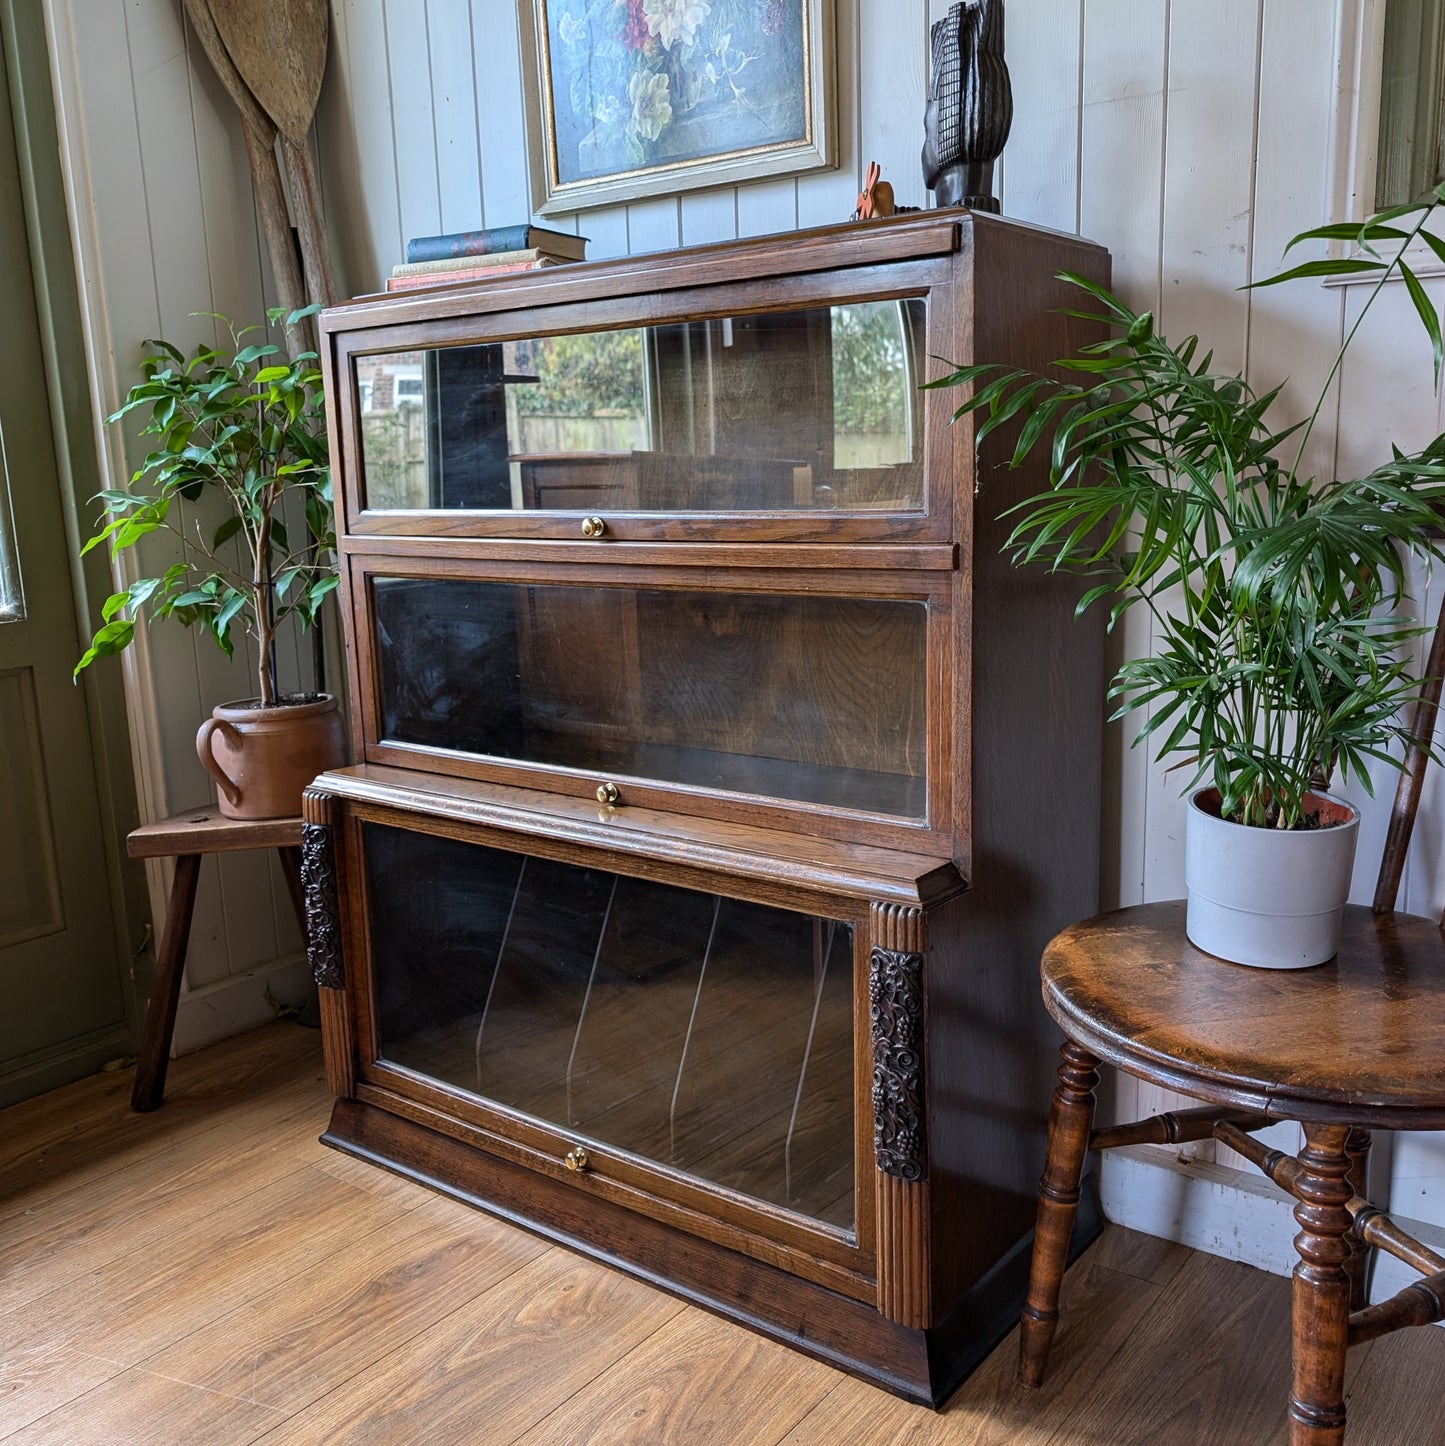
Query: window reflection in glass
[873,386]
[815,409]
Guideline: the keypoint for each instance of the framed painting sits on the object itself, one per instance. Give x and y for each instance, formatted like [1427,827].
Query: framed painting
[633,98]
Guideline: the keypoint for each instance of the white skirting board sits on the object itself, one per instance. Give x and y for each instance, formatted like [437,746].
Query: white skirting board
[240,1002]
[1236,1214]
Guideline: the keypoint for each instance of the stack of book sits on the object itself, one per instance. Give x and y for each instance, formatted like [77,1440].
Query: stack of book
[474,255]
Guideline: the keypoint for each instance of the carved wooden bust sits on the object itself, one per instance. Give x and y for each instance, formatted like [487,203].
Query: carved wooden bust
[970,105]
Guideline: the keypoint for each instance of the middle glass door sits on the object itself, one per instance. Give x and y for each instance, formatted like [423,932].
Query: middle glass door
[799,698]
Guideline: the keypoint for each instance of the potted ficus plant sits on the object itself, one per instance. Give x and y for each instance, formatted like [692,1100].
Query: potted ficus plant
[1283,653]
[241,434]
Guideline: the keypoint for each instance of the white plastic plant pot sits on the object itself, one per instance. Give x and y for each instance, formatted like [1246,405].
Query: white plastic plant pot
[1269,898]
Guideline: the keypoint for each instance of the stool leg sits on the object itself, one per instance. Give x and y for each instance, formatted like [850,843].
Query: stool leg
[1321,1300]
[1357,1151]
[291,867]
[1070,1122]
[160,1023]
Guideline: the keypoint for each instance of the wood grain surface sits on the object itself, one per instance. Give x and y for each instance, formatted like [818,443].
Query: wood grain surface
[469,1320]
[205,831]
[859,870]
[1357,1040]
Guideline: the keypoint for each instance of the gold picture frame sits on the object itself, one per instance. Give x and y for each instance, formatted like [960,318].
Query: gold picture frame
[628,99]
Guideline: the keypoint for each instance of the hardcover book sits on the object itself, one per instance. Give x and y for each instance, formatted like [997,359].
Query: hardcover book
[497,238]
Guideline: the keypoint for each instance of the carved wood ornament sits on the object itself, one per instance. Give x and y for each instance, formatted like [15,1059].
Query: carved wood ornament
[323,917]
[895,1007]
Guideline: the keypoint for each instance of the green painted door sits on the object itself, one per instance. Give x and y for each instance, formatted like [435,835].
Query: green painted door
[61,980]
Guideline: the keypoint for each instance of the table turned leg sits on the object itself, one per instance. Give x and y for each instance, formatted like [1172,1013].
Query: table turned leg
[1321,1301]
[160,1022]
[1070,1122]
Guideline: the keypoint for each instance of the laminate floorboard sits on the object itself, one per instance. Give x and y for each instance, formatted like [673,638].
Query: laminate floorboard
[210,1274]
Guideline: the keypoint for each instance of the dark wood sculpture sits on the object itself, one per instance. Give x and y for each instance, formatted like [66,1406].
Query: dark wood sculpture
[1355,1043]
[970,105]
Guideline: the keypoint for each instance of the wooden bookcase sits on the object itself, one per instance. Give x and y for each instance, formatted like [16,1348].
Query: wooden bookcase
[720,781]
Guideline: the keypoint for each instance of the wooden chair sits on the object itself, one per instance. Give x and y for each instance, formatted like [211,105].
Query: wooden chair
[1351,1045]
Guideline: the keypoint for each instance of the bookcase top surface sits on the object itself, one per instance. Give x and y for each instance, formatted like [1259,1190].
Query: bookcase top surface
[913,236]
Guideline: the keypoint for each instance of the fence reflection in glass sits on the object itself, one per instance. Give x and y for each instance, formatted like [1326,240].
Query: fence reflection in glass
[779,411]
[707,1034]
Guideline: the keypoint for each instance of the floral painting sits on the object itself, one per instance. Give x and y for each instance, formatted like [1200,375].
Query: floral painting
[633,85]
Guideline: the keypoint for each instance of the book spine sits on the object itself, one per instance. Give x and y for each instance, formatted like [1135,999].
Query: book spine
[469,243]
[461,273]
[453,263]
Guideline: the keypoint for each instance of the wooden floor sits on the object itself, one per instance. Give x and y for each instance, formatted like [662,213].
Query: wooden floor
[211,1274]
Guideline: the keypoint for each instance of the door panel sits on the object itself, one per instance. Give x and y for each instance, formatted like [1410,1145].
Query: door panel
[60,977]
[30,902]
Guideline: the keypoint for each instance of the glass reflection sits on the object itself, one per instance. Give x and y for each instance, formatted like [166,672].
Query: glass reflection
[804,410]
[813,699]
[707,1033]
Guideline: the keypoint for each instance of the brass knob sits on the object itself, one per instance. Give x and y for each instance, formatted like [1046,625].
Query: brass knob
[576,1159]
[607,793]
[593,527]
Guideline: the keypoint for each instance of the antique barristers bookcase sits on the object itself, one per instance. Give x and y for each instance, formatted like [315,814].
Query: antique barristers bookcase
[720,780]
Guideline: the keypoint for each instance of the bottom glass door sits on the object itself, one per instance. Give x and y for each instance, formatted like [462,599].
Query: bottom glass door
[703,1032]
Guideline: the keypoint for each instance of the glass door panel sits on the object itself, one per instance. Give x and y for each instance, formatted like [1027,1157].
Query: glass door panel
[702,1032]
[811,699]
[815,409]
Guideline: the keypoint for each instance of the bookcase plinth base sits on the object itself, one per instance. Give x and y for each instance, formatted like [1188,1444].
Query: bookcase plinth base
[923,1366]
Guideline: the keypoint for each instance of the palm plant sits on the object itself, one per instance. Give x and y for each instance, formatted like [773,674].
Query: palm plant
[1282,651]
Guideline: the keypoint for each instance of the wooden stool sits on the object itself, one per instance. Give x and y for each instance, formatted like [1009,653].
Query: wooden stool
[187,836]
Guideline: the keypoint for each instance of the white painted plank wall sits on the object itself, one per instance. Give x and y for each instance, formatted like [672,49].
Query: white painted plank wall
[1192,137]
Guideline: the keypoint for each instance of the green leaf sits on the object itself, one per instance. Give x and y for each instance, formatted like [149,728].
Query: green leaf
[195,597]
[320,588]
[1426,310]
[1434,243]
[113,638]
[1346,266]
[1359,232]
[233,605]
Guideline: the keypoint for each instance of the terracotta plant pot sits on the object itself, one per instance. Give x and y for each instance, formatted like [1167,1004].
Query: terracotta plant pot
[1267,897]
[263,758]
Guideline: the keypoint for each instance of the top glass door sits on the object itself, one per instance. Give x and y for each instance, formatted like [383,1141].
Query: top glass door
[816,409]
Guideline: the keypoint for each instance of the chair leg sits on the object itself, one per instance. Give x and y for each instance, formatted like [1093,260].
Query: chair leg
[1070,1121]
[1321,1300]
[1357,1151]
[160,1023]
